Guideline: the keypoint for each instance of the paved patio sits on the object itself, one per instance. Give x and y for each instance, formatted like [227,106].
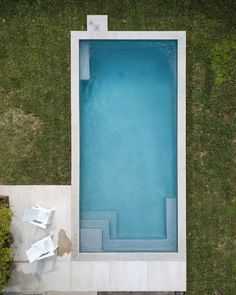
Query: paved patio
[61,273]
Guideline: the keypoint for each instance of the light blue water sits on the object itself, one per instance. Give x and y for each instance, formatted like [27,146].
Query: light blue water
[128,131]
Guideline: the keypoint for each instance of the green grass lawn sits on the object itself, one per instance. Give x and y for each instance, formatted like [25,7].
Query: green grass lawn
[35,110]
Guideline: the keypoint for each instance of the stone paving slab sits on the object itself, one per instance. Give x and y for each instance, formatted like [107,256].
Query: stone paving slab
[22,197]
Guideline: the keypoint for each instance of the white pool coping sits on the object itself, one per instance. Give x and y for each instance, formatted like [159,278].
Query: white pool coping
[173,257]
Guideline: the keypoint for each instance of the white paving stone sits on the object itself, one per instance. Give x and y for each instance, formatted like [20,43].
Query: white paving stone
[43,276]
[26,196]
[166,276]
[128,276]
[90,276]
[97,23]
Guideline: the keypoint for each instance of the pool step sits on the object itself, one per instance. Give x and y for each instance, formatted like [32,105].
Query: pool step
[91,239]
[98,232]
[84,61]
[111,216]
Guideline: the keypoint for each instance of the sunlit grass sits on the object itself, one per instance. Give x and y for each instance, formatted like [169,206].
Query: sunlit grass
[35,110]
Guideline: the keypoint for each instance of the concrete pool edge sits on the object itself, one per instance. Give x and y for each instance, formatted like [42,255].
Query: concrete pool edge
[181,39]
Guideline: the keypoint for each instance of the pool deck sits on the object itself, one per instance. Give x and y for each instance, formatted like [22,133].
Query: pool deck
[62,273]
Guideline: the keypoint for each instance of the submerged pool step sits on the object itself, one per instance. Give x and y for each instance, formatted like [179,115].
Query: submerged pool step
[110,216]
[91,239]
[95,228]
[84,61]
[162,245]
[98,232]
[171,219]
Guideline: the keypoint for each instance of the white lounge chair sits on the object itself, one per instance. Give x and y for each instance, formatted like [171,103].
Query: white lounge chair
[38,216]
[41,249]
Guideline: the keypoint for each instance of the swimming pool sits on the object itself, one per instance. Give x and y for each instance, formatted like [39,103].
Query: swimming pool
[128,186]
[128,146]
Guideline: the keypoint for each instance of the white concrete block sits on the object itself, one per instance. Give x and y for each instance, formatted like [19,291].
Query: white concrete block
[101,276]
[128,276]
[97,23]
[166,276]
[54,275]
[89,276]
[41,276]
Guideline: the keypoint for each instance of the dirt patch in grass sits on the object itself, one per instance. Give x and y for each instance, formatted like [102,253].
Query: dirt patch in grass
[18,133]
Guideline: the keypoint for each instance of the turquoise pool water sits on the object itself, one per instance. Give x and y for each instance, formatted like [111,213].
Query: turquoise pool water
[128,146]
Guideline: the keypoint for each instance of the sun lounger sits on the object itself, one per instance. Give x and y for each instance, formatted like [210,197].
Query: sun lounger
[38,216]
[42,249]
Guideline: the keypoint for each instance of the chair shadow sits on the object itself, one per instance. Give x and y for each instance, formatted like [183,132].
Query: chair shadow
[45,266]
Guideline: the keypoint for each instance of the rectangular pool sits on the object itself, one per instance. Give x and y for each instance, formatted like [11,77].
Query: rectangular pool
[128,146]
